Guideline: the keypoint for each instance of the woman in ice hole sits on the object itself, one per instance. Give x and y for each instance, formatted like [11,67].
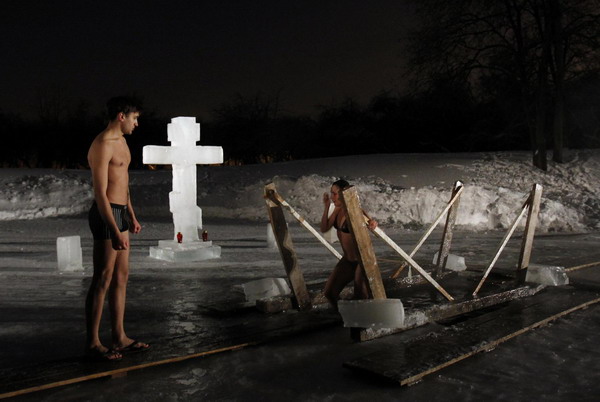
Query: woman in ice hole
[348,268]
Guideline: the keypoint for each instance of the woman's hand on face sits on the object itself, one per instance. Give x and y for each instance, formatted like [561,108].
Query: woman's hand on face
[326,200]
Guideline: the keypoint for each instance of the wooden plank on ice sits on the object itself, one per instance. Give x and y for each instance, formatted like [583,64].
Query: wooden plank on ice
[360,232]
[532,218]
[501,248]
[408,362]
[381,234]
[253,329]
[286,248]
[448,228]
[455,198]
[443,311]
[77,373]
[308,227]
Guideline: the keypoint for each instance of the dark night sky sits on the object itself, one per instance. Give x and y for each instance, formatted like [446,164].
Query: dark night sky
[187,57]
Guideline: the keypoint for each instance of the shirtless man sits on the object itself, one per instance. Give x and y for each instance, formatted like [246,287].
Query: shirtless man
[348,268]
[110,218]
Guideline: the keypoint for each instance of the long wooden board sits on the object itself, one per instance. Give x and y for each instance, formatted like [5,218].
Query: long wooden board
[535,199]
[435,312]
[408,362]
[449,228]
[286,248]
[253,330]
[366,253]
[307,225]
[118,371]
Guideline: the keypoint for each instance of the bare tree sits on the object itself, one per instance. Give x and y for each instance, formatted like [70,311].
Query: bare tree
[535,46]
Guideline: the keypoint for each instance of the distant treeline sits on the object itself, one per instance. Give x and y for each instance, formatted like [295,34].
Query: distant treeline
[256,130]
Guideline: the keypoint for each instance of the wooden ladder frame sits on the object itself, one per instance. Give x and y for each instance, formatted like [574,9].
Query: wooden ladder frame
[451,209]
[532,204]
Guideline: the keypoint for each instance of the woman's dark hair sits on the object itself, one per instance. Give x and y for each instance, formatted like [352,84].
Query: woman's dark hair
[341,184]
[122,104]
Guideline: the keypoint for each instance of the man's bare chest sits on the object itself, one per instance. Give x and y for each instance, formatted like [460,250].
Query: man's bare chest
[121,157]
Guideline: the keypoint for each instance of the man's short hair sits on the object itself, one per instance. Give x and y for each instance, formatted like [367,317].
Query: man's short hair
[122,104]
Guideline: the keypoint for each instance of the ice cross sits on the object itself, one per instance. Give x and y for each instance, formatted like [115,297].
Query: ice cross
[184,155]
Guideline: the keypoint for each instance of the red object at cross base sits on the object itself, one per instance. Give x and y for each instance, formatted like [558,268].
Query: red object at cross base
[205,235]
[179,237]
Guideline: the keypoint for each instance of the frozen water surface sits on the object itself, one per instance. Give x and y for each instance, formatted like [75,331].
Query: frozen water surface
[41,310]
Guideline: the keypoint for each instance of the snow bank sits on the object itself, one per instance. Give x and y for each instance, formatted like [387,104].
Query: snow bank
[496,185]
[31,197]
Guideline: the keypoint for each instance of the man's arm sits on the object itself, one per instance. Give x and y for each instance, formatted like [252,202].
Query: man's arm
[99,158]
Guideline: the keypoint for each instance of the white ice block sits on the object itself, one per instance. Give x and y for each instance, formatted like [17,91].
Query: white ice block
[68,252]
[170,250]
[183,130]
[453,262]
[546,275]
[372,313]
[264,288]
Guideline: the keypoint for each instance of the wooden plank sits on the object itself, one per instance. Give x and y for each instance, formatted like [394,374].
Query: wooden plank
[578,267]
[412,262]
[286,249]
[532,218]
[418,317]
[499,251]
[406,362]
[251,329]
[360,234]
[455,198]
[117,372]
[303,222]
[448,228]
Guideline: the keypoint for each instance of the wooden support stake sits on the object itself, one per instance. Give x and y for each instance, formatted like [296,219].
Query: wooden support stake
[455,196]
[312,230]
[412,262]
[532,218]
[578,267]
[286,248]
[360,234]
[447,236]
[502,245]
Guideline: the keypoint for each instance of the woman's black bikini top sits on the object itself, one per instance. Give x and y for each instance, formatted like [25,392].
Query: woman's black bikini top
[344,228]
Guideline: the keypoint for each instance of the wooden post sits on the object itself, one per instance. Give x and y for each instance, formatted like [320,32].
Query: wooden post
[455,198]
[502,245]
[447,236]
[286,248]
[532,218]
[360,234]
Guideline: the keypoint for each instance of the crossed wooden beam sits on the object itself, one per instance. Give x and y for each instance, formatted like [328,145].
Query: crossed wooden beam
[360,232]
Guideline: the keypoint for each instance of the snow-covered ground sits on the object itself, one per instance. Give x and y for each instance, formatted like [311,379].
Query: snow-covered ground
[404,190]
